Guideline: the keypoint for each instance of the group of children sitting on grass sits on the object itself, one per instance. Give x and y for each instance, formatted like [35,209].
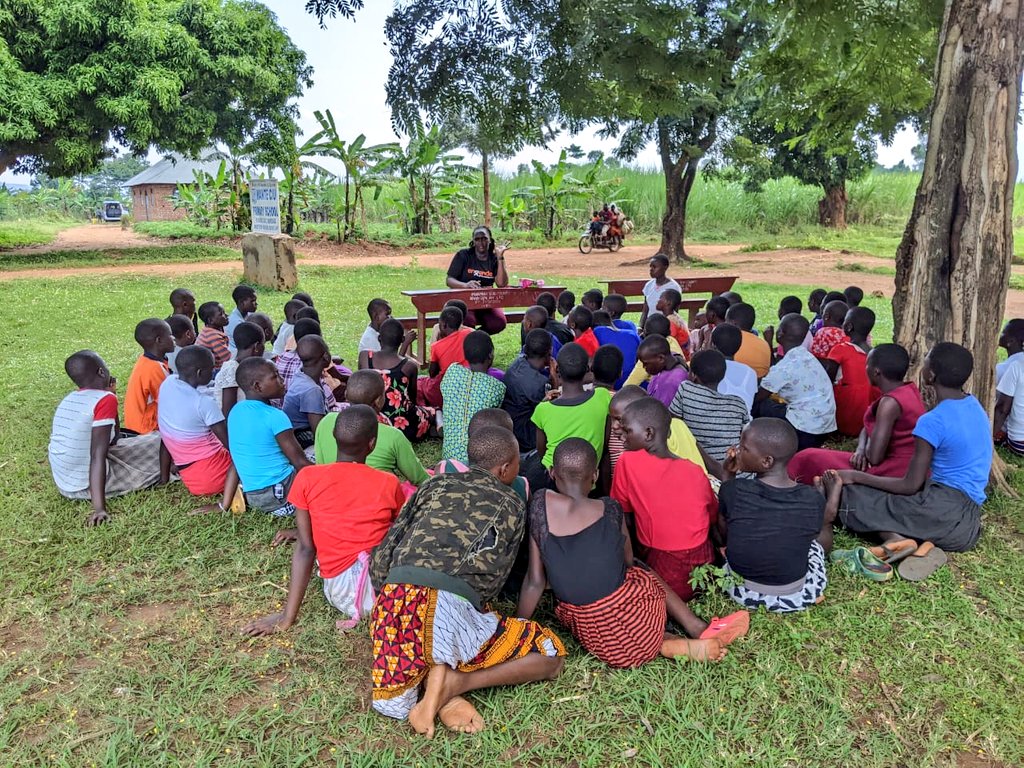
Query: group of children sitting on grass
[607,463]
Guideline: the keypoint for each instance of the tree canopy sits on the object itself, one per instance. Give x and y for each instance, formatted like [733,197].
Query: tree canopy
[78,75]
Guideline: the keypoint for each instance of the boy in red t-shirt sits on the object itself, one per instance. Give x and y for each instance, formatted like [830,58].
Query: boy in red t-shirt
[342,511]
[444,352]
[581,322]
[670,497]
[140,399]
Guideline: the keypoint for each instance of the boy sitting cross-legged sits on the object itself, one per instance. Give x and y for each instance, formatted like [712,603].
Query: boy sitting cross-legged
[616,609]
[262,443]
[343,509]
[670,497]
[194,431]
[88,458]
[392,452]
[143,392]
[777,532]
[212,336]
[445,557]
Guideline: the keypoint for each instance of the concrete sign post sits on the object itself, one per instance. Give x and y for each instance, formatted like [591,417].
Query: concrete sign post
[268,256]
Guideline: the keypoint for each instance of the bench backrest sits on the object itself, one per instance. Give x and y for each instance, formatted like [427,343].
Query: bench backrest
[635,287]
[480,298]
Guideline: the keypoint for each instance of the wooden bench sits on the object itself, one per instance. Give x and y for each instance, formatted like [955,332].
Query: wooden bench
[710,285]
[433,301]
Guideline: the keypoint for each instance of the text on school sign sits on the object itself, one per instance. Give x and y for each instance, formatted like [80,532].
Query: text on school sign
[266,206]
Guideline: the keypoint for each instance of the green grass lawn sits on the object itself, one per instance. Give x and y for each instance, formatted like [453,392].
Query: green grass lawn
[120,645]
[23,232]
[109,257]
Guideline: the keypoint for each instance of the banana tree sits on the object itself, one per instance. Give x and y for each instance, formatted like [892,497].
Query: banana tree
[430,173]
[556,189]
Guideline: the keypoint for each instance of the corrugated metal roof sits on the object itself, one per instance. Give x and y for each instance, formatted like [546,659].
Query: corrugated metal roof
[173,169]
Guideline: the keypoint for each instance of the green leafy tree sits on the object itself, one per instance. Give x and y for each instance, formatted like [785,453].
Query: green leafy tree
[457,62]
[77,76]
[426,166]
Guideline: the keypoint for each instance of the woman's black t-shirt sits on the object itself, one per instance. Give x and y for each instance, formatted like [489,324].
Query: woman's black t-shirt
[770,529]
[467,266]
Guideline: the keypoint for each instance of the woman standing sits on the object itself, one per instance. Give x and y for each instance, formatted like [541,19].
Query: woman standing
[482,265]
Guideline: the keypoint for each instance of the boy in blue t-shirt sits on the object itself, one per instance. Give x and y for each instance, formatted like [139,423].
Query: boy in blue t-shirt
[951,442]
[260,438]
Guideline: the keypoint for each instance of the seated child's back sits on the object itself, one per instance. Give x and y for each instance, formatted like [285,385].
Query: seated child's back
[143,392]
[715,419]
[466,390]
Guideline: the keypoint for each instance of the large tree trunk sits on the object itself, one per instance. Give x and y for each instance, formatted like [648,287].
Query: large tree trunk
[485,169]
[953,265]
[832,207]
[679,177]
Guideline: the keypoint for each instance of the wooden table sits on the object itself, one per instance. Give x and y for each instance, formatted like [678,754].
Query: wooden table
[475,298]
[711,285]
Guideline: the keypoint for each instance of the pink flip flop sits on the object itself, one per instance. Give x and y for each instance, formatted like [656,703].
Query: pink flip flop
[728,629]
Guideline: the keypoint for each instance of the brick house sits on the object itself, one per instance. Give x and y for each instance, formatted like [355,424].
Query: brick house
[153,189]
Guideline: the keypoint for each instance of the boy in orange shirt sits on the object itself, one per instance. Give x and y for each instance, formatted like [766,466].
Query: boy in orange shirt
[140,399]
[343,510]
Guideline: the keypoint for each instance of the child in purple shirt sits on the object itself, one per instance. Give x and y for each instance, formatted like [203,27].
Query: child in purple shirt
[666,370]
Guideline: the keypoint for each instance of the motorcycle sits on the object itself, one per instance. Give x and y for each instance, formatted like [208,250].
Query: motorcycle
[612,242]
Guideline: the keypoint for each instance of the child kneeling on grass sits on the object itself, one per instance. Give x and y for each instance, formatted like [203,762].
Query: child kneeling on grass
[615,609]
[950,445]
[262,443]
[777,531]
[445,557]
[89,458]
[342,511]
[195,432]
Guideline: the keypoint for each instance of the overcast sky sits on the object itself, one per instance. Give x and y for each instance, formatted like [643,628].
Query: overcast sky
[351,62]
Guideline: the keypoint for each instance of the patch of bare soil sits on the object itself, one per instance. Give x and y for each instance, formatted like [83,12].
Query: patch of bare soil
[91,237]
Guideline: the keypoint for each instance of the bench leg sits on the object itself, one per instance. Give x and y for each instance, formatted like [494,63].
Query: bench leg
[421,337]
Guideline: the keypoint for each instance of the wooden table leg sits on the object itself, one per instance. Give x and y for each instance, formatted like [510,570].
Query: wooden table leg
[421,334]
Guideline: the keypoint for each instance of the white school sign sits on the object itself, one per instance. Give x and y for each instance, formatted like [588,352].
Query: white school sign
[266,206]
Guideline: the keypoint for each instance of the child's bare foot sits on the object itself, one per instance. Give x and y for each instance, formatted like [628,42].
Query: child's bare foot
[460,716]
[833,485]
[206,509]
[699,650]
[435,695]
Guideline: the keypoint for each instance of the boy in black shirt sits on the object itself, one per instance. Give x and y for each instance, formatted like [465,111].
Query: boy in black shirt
[789,575]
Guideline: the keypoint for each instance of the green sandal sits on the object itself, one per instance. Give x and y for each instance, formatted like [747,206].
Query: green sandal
[859,561]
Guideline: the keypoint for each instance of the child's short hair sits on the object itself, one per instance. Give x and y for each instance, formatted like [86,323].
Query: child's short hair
[304,297]
[854,295]
[835,311]
[672,297]
[547,300]
[246,335]
[262,319]
[719,305]
[241,293]
[251,370]
[375,305]
[791,305]
[650,412]
[477,347]
[536,315]
[307,313]
[538,344]
[593,296]
[391,333]
[180,325]
[364,387]
[490,447]
[460,304]
[773,437]
[292,306]
[798,323]
[832,296]
[207,310]
[306,326]
[891,360]
[628,394]
[659,325]
[951,363]
[192,358]
[661,258]
[179,294]
[607,365]
[147,331]
[616,305]
[732,297]
[582,318]
[601,317]
[451,318]
[489,417]
[861,319]
[81,365]
[566,301]
[311,348]
[709,366]
[818,294]
[742,315]
[727,339]
[653,344]
[573,362]
[575,458]
[356,426]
